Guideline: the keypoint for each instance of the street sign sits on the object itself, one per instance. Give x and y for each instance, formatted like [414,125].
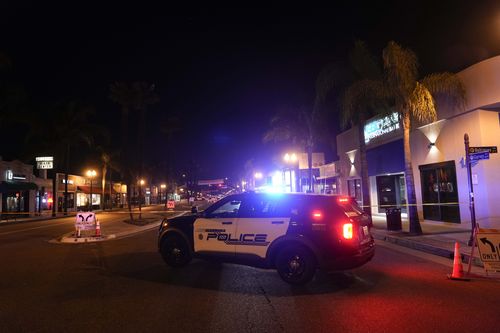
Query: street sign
[170,204]
[44,162]
[489,149]
[479,156]
[85,221]
[488,242]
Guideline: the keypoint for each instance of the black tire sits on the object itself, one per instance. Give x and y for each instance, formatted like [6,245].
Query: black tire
[175,251]
[296,264]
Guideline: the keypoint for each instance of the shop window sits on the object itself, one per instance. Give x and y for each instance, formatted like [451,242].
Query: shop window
[439,192]
[354,190]
[391,192]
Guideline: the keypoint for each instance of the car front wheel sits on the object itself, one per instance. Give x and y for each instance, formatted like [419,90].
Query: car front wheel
[296,264]
[175,251]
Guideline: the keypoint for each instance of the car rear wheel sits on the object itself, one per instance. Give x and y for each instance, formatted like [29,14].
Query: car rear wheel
[296,264]
[175,251]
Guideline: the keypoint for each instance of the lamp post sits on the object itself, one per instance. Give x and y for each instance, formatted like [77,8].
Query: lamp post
[256,176]
[162,190]
[291,159]
[91,174]
[141,182]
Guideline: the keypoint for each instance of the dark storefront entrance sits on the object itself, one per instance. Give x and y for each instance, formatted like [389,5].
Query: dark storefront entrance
[391,192]
[439,192]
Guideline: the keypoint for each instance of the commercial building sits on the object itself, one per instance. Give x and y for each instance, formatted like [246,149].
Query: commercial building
[21,192]
[438,156]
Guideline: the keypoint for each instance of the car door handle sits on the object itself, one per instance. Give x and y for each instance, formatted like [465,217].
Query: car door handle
[227,222]
[277,222]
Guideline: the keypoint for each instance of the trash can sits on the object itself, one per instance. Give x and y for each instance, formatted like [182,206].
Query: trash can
[393,216]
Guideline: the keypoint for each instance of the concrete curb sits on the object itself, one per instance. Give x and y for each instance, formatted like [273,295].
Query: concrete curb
[69,238]
[419,246]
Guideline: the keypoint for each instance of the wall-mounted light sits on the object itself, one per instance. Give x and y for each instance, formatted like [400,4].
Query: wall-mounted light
[432,131]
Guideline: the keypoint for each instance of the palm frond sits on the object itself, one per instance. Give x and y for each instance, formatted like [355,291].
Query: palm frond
[448,86]
[421,104]
[360,99]
[401,67]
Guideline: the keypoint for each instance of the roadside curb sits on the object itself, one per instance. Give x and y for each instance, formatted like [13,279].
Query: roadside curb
[70,238]
[423,247]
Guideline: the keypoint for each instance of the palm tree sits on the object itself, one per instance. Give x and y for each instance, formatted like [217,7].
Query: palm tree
[136,96]
[363,99]
[63,128]
[297,126]
[109,163]
[415,99]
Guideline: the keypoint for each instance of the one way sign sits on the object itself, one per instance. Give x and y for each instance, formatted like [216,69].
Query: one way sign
[85,220]
[488,241]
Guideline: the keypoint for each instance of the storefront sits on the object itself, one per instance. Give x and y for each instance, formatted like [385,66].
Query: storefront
[17,189]
[437,152]
[78,193]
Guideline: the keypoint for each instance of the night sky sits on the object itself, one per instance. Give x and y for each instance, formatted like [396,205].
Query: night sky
[225,71]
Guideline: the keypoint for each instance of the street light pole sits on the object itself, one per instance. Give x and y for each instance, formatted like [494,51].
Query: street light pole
[91,174]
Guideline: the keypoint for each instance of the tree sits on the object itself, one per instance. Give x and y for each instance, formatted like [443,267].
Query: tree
[363,99]
[63,128]
[415,99]
[109,162]
[136,96]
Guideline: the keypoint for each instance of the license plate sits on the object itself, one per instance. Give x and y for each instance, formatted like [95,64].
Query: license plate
[366,232]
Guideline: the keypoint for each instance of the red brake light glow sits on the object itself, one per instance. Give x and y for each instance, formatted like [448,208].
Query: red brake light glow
[347,230]
[317,215]
[343,199]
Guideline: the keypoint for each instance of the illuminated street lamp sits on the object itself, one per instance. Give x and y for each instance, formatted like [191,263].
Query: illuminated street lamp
[291,159]
[91,174]
[162,186]
[141,182]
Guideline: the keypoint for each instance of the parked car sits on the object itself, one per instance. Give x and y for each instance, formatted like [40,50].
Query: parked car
[294,233]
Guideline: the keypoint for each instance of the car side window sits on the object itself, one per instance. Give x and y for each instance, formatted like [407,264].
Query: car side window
[227,209]
[261,207]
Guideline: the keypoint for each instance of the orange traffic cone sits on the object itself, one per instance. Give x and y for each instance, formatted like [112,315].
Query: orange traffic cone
[458,270]
[97,229]
[78,233]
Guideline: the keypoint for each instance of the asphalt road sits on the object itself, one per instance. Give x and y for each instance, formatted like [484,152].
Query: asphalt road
[123,285]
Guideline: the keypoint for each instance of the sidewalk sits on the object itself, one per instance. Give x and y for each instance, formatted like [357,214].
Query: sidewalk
[438,238]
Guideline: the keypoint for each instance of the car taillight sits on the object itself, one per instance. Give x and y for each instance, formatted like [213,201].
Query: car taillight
[347,230]
[317,215]
[343,199]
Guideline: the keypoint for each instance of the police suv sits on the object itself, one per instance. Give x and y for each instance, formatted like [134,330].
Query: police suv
[295,233]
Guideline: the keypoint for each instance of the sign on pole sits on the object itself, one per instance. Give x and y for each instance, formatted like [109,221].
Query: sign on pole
[489,149]
[170,204]
[479,156]
[44,162]
[85,221]
[488,242]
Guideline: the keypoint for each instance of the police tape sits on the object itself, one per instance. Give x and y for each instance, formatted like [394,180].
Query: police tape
[416,205]
[135,211]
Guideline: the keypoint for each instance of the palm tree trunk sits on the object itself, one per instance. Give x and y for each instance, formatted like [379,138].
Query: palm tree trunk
[365,186]
[415,227]
[65,204]
[309,165]
[129,202]
[103,184]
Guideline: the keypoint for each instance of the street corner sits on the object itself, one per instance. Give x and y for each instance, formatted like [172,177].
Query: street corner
[70,238]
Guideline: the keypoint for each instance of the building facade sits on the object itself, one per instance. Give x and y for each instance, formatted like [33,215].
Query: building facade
[21,192]
[438,156]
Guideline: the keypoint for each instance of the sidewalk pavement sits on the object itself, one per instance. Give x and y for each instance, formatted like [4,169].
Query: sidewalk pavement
[438,238]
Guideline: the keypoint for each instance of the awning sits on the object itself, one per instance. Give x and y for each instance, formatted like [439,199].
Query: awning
[86,189]
[17,186]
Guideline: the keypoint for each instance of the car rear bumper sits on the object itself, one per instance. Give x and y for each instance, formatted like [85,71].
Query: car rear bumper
[349,259]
